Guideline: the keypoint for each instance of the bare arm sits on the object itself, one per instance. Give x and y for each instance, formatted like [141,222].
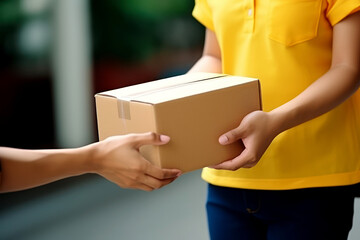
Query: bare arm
[335,86]
[116,159]
[258,129]
[211,58]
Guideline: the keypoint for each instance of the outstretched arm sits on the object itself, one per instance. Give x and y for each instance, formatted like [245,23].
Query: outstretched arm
[116,159]
[258,129]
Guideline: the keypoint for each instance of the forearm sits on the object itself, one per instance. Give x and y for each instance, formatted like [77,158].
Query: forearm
[338,84]
[334,87]
[258,129]
[22,169]
[207,64]
[211,58]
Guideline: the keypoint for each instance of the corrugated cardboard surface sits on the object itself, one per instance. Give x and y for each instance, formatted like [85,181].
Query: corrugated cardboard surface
[193,109]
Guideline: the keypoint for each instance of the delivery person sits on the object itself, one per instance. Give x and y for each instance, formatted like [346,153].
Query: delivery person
[302,152]
[116,158]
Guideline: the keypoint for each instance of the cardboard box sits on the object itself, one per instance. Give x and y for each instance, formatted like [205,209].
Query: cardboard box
[193,109]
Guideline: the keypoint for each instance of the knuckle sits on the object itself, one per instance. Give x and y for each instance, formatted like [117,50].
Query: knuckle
[232,135]
[157,185]
[233,168]
[162,175]
[252,160]
[131,137]
[138,167]
[137,177]
[152,136]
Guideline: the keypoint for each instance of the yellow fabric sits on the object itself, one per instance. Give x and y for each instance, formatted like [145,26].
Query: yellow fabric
[287,45]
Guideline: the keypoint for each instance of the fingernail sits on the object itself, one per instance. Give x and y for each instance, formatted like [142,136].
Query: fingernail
[164,138]
[223,139]
[179,174]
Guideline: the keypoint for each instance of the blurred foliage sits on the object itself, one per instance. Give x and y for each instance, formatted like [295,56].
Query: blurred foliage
[10,19]
[10,13]
[121,29]
[15,23]
[155,9]
[133,30]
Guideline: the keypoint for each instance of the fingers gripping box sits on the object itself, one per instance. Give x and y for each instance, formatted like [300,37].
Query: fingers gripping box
[193,109]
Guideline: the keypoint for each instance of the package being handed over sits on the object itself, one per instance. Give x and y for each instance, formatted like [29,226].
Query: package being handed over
[193,109]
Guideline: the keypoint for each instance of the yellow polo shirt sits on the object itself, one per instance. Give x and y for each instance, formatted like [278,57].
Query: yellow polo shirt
[287,44]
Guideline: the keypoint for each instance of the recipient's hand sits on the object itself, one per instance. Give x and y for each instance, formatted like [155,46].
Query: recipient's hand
[256,131]
[118,159]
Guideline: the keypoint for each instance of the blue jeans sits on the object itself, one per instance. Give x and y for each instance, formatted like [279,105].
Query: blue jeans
[305,214]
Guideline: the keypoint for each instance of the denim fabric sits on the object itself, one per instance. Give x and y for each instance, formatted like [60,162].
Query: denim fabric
[305,214]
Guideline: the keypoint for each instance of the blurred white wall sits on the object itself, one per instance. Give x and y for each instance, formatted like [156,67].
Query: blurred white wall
[73,93]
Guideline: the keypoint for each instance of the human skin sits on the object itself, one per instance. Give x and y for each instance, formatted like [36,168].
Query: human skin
[259,128]
[116,158]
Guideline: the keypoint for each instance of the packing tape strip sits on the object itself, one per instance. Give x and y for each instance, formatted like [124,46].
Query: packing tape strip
[164,88]
[123,104]
[124,109]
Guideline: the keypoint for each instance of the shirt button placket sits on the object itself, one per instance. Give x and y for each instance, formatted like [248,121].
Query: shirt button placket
[250,16]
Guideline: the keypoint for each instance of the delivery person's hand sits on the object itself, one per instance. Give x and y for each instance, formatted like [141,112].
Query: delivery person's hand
[256,131]
[118,160]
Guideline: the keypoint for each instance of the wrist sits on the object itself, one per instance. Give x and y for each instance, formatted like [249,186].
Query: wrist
[87,158]
[279,121]
[282,119]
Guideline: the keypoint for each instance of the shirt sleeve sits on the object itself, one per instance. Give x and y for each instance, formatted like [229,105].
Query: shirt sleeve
[202,12]
[339,9]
